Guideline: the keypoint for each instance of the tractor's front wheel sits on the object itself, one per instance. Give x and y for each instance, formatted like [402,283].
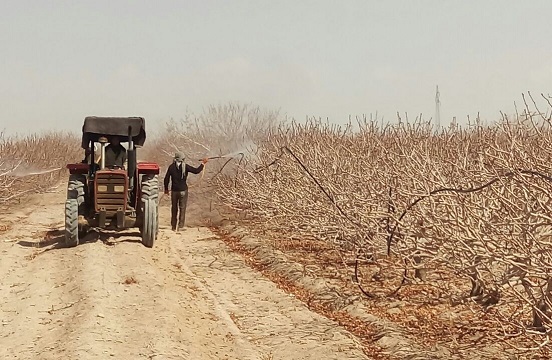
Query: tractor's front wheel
[150,199]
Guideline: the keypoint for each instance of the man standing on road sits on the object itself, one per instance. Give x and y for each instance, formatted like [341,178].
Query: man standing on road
[178,173]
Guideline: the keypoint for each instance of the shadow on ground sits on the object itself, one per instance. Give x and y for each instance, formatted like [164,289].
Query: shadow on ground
[55,239]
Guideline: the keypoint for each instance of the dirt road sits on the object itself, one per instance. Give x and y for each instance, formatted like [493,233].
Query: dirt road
[188,298]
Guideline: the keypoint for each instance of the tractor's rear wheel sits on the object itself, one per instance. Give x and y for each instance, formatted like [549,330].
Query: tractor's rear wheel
[74,206]
[76,188]
[150,202]
[71,223]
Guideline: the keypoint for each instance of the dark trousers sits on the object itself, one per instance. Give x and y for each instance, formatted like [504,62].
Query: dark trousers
[179,200]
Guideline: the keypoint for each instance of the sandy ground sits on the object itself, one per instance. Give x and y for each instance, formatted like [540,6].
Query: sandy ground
[189,297]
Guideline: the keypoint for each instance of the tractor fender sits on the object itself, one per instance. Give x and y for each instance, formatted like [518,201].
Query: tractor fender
[78,168]
[147,168]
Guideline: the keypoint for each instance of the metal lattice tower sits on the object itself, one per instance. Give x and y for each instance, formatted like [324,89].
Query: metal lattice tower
[437,110]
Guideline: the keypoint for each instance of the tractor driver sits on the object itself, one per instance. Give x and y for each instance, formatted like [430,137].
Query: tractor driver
[115,154]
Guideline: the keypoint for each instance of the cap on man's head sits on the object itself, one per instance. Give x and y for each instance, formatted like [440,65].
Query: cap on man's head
[178,157]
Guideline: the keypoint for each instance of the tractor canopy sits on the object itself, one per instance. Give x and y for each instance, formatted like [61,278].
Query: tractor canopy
[94,127]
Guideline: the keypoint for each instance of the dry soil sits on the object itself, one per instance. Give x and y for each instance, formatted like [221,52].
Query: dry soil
[189,297]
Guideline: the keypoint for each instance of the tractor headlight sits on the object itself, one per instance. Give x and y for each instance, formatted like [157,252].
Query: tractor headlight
[119,188]
[102,188]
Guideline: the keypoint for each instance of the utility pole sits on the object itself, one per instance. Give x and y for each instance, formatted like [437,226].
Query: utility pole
[437,110]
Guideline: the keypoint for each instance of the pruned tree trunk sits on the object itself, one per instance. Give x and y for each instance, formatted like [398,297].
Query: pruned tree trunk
[538,311]
[477,287]
[542,311]
[420,272]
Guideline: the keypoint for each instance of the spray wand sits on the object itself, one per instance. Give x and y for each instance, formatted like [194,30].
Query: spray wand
[222,156]
[212,158]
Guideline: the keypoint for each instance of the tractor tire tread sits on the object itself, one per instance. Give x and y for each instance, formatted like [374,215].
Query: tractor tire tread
[71,223]
[150,203]
[76,189]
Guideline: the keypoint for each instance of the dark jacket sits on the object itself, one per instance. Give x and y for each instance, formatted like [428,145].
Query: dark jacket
[179,177]
[115,155]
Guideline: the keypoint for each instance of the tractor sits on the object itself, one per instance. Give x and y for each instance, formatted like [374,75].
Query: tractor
[112,198]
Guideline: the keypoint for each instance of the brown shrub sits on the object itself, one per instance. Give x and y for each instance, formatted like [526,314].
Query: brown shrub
[35,163]
[231,131]
[467,209]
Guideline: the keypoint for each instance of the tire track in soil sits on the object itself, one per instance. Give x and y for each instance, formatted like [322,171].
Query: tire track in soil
[275,322]
[39,301]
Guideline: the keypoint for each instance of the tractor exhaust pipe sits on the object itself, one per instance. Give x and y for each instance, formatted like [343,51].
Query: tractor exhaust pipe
[131,160]
[102,140]
[130,143]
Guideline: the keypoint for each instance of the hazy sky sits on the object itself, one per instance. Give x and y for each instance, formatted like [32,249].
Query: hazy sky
[63,60]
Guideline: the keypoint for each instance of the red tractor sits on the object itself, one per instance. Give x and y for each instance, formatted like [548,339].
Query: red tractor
[115,197]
